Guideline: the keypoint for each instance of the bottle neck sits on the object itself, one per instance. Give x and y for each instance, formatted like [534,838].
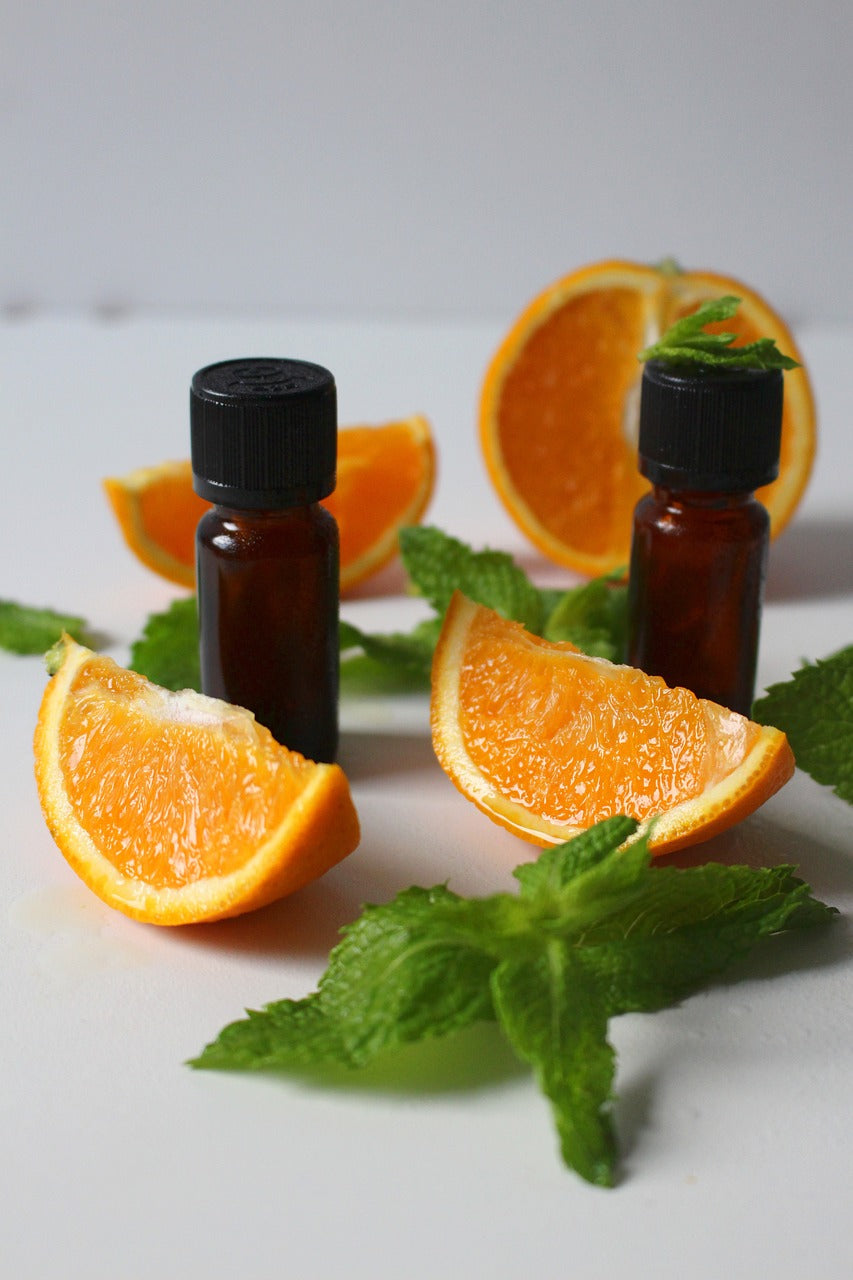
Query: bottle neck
[265,514]
[709,500]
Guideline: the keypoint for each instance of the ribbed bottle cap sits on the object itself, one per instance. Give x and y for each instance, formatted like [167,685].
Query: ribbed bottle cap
[710,429]
[263,433]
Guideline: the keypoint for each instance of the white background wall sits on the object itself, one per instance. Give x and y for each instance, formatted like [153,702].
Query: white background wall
[402,157]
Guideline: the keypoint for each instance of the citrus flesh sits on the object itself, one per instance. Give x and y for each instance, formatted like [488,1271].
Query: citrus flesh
[385,481]
[386,476]
[547,741]
[559,409]
[158,512]
[174,807]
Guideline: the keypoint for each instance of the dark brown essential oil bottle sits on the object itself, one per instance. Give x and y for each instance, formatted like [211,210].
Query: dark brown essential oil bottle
[708,438]
[264,449]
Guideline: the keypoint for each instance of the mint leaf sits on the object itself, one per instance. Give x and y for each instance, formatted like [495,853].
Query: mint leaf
[561,864]
[167,650]
[404,971]
[438,565]
[595,931]
[407,653]
[685,342]
[815,710]
[686,928]
[594,617]
[556,1022]
[28,630]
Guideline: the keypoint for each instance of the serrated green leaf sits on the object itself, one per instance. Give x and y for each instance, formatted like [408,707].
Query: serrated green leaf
[403,971]
[815,710]
[408,653]
[594,617]
[167,650]
[561,864]
[438,565]
[26,630]
[555,1021]
[687,927]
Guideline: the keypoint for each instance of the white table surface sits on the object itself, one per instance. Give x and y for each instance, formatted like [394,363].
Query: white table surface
[734,1110]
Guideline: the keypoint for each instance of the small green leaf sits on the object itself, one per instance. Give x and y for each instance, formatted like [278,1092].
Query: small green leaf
[685,342]
[408,653]
[28,630]
[815,710]
[561,864]
[594,617]
[438,565]
[167,650]
[554,1019]
[405,970]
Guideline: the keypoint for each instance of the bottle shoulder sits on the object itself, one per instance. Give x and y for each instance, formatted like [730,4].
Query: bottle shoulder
[707,513]
[293,531]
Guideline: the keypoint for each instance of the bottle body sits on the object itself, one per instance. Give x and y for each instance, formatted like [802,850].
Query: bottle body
[698,561]
[268,619]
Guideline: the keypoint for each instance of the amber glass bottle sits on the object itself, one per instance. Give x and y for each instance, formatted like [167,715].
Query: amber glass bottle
[708,439]
[264,442]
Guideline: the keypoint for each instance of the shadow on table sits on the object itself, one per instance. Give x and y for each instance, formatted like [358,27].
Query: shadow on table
[470,1059]
[812,560]
[367,754]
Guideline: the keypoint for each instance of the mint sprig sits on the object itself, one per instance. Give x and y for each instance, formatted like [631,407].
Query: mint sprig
[815,710]
[25,629]
[686,342]
[595,931]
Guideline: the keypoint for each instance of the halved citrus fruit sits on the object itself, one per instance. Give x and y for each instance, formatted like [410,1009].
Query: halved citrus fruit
[385,481]
[548,741]
[560,405]
[174,807]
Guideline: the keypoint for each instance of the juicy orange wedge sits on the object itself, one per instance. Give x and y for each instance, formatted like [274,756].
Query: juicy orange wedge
[386,476]
[547,741]
[559,409]
[174,807]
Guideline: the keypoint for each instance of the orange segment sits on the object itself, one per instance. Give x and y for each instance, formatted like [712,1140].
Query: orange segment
[177,808]
[385,481]
[158,511]
[560,404]
[548,741]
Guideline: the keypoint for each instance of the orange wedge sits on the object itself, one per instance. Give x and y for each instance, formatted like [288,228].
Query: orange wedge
[560,404]
[547,741]
[385,481]
[158,512]
[176,808]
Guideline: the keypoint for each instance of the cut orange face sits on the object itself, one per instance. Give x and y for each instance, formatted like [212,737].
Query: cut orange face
[547,741]
[385,481]
[176,808]
[158,512]
[559,409]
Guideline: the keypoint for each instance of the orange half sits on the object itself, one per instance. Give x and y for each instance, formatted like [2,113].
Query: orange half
[547,741]
[386,476]
[176,808]
[559,409]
